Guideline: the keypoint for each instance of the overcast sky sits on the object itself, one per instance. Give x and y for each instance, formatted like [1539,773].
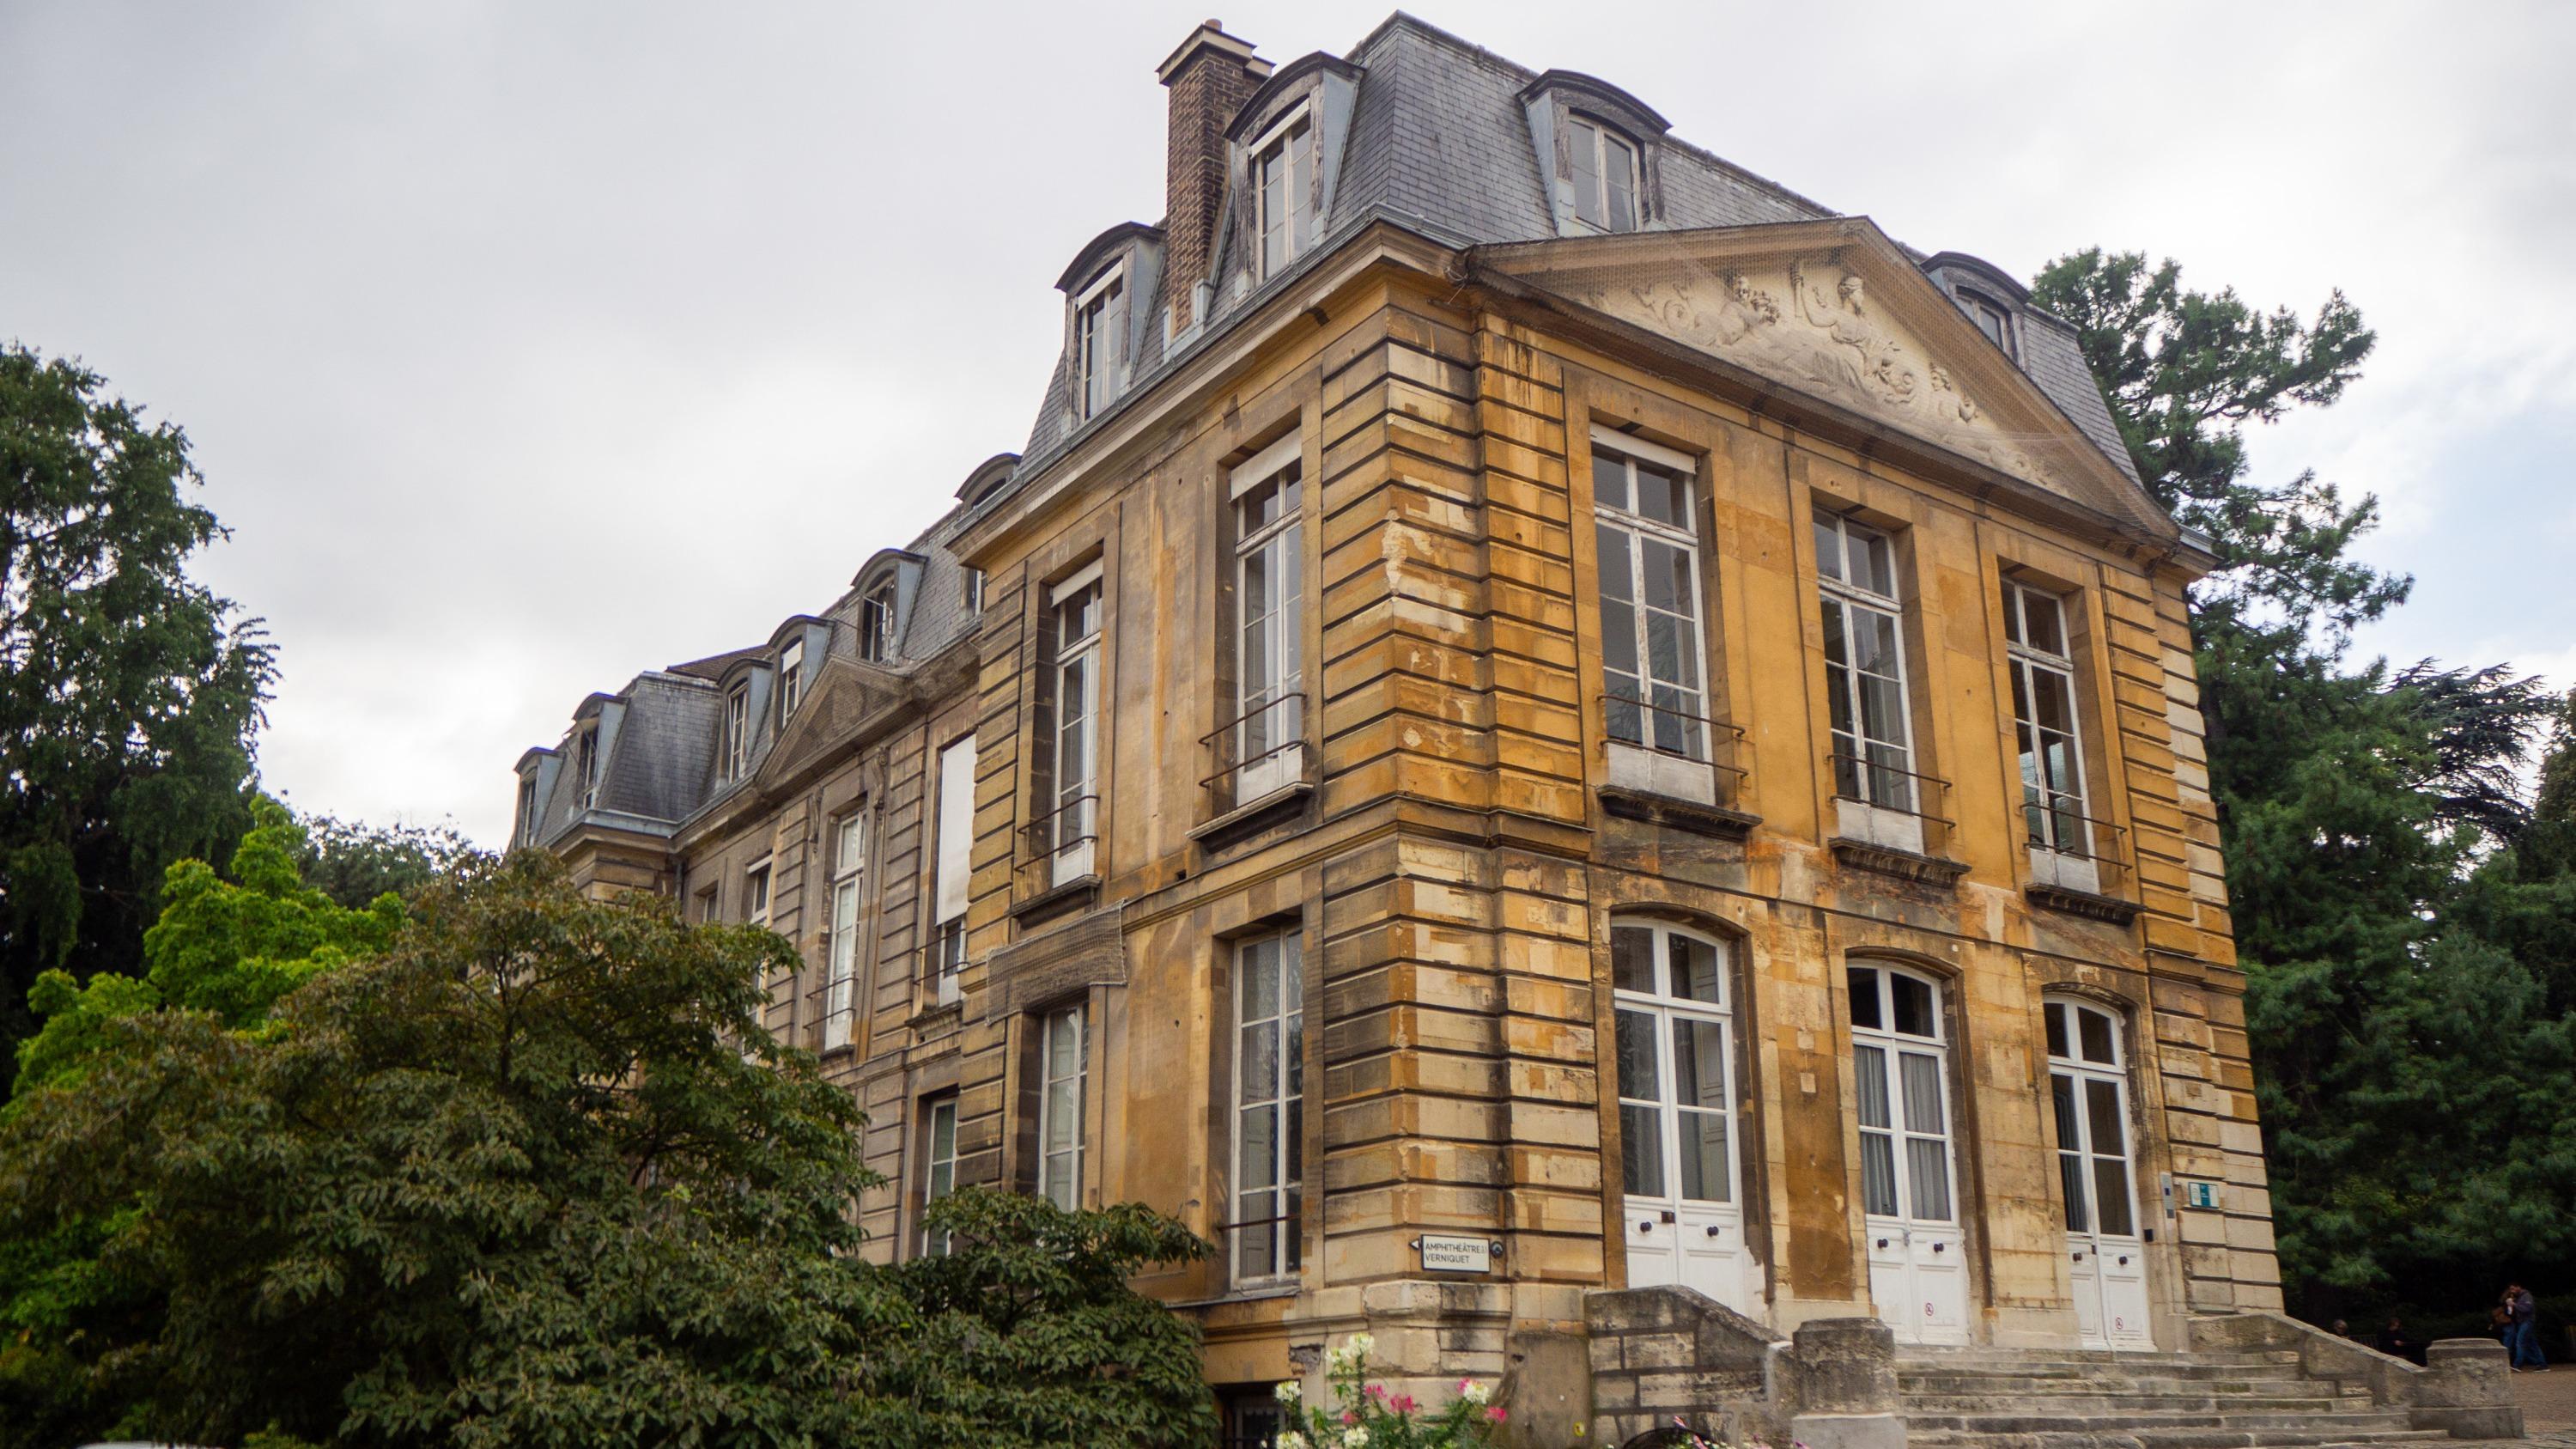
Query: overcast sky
[525,346]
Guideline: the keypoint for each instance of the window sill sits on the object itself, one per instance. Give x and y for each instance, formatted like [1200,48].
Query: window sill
[930,1016]
[1252,815]
[1260,1294]
[1081,891]
[1903,864]
[1656,808]
[2089,904]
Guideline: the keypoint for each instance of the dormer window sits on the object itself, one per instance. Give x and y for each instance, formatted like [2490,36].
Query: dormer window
[737,729]
[791,677]
[527,809]
[876,624]
[1602,175]
[1992,318]
[974,591]
[1099,341]
[1283,175]
[586,756]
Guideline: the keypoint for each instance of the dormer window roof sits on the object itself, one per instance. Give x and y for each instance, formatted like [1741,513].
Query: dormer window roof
[1599,142]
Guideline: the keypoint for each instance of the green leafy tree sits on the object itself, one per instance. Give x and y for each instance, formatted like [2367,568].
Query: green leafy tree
[354,862]
[534,1175]
[2410,1056]
[129,696]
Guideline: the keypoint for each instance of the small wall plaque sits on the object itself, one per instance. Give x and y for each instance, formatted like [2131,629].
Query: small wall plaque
[1456,1253]
[2200,1194]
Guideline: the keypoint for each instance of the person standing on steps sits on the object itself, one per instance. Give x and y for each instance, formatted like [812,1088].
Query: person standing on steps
[2396,1342]
[2522,1338]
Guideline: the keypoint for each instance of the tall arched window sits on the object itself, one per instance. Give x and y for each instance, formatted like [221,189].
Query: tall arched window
[2088,1097]
[1675,1030]
[1909,1199]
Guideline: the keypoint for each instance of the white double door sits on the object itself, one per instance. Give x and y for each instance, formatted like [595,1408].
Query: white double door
[2088,1097]
[1918,1260]
[1682,1223]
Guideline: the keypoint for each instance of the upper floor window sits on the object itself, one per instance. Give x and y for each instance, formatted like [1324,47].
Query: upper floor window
[586,764]
[737,729]
[1270,578]
[1099,341]
[1601,172]
[1064,1045]
[755,894]
[791,678]
[949,882]
[1651,649]
[974,591]
[1283,174]
[1865,677]
[849,856]
[527,809]
[2052,757]
[1992,318]
[876,624]
[1071,824]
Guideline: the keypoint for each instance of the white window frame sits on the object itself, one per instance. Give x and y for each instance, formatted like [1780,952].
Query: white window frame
[2060,841]
[737,728]
[1902,1129]
[1885,802]
[586,764]
[1980,308]
[938,1167]
[791,678]
[1072,824]
[974,591]
[527,809]
[1283,1095]
[755,894]
[1604,138]
[1270,711]
[876,623]
[1641,764]
[1063,1078]
[1098,375]
[953,868]
[1297,228]
[841,951]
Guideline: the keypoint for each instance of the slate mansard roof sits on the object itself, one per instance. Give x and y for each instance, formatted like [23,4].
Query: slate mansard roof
[1440,144]
[1438,141]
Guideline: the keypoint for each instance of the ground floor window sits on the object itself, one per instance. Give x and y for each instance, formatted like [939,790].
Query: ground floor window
[1251,1415]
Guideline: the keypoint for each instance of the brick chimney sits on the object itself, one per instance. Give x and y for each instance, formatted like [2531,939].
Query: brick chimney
[1210,77]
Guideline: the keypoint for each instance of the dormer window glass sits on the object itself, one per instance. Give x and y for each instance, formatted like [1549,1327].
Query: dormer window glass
[737,729]
[791,678]
[587,753]
[1099,341]
[1283,173]
[876,624]
[1601,174]
[1992,318]
[527,809]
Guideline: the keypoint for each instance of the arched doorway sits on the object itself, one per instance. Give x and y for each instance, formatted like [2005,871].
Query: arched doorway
[1918,1260]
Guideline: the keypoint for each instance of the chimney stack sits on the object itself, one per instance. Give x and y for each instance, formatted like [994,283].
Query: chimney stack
[1210,77]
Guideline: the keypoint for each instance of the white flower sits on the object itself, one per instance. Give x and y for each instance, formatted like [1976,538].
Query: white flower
[1286,1393]
[1355,1437]
[1473,1392]
[1289,1439]
[1360,1346]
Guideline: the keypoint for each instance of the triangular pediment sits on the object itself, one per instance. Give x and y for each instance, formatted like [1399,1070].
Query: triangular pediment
[845,694]
[1836,312]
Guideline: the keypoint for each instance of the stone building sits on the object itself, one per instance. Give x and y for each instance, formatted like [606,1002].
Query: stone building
[1537,714]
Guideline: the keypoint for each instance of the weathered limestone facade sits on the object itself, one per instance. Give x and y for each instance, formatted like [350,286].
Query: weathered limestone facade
[1454,833]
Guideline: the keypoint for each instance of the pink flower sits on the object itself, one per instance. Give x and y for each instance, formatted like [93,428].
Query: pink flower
[1403,1404]
[1498,1413]
[1377,1391]
[1350,1416]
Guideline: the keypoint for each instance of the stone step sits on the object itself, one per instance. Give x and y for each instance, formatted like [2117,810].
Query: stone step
[2114,1437]
[1935,1358]
[2349,1424]
[2127,1402]
[2076,1379]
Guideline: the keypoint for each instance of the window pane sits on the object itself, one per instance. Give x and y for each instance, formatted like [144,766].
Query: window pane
[2043,629]
[1695,973]
[1878,1174]
[1260,986]
[1703,1156]
[2102,1118]
[1583,145]
[1619,170]
[1668,578]
[1641,1150]
[1619,640]
[1699,1064]
[1924,1108]
[1663,495]
[1871,565]
[1618,568]
[1864,996]
[2056,1016]
[1609,480]
[1632,959]
[1913,1006]
[1829,546]
[2096,1031]
[1260,1061]
[1258,1162]
[1638,1078]
[1927,1178]
[2070,1179]
[2111,1192]
[1869,1075]
[1257,1240]
[2012,613]
[2061,1097]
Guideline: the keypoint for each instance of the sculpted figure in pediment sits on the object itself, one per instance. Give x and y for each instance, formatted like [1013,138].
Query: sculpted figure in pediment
[1864,359]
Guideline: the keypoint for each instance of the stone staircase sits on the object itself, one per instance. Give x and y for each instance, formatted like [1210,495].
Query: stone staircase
[2253,1398]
